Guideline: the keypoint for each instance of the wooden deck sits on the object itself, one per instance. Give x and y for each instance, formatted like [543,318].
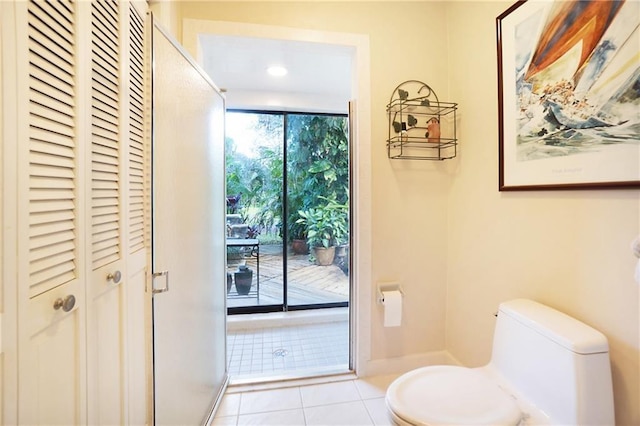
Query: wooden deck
[307,283]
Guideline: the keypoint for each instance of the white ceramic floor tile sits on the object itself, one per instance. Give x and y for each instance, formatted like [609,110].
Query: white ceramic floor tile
[377,409]
[274,418]
[375,386]
[307,346]
[329,393]
[270,400]
[225,421]
[347,413]
[230,405]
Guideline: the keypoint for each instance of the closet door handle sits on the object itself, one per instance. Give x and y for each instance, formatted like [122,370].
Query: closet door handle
[114,276]
[66,304]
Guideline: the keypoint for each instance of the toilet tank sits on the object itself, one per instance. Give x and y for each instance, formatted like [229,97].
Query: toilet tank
[557,363]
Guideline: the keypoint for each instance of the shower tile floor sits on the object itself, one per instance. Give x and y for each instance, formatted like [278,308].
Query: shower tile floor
[350,402]
[296,350]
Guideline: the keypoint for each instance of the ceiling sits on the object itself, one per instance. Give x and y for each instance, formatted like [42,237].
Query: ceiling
[316,71]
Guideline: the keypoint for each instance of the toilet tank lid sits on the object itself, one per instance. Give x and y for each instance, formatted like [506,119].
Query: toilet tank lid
[557,326]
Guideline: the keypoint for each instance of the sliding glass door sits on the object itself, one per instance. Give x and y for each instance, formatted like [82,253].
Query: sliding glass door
[255,187]
[317,210]
[287,211]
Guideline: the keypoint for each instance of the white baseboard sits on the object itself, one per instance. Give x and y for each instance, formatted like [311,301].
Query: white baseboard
[401,365]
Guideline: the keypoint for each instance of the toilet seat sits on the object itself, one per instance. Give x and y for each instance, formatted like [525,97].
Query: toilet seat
[449,395]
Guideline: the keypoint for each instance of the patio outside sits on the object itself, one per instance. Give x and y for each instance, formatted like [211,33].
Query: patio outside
[287,186]
[308,283]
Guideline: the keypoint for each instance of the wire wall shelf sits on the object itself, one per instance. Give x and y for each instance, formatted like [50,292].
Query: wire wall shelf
[421,127]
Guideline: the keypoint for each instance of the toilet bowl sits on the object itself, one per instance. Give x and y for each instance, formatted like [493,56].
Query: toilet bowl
[545,368]
[449,395]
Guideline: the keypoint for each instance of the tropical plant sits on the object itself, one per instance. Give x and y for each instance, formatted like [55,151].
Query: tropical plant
[317,165]
[325,225]
[268,188]
[253,231]
[233,203]
[258,178]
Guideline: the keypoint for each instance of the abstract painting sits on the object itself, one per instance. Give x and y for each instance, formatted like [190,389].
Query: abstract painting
[569,94]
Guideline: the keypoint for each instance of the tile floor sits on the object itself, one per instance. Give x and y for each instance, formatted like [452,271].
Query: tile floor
[305,349]
[350,402]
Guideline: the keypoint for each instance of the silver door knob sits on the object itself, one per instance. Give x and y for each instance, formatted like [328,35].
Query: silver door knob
[66,304]
[114,276]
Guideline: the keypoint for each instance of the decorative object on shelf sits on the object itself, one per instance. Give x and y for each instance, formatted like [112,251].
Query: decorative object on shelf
[243,278]
[420,126]
[229,282]
[433,130]
[568,95]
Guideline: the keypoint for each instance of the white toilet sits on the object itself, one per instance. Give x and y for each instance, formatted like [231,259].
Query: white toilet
[545,368]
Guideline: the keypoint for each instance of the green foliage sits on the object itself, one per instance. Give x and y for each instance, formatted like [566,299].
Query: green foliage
[235,169]
[326,225]
[317,172]
[258,179]
[317,165]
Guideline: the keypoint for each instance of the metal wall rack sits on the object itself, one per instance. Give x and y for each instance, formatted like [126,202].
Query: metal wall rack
[420,126]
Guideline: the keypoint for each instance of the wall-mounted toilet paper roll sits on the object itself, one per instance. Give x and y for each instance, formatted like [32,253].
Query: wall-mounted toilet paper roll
[392,303]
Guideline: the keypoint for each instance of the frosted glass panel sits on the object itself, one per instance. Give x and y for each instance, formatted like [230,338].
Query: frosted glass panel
[188,238]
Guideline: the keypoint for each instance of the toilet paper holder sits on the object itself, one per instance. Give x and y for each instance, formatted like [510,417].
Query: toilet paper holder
[388,287]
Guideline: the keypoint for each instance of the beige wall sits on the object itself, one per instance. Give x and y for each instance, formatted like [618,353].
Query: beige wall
[568,249]
[442,229]
[409,199]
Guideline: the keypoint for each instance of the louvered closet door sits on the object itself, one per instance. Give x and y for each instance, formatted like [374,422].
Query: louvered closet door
[51,302]
[138,229]
[105,289]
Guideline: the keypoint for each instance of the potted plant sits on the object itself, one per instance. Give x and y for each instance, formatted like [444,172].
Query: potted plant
[253,231]
[298,236]
[324,226]
[233,203]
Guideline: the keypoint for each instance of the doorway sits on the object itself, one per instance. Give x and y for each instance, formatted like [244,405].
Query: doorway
[215,40]
[288,190]
[287,211]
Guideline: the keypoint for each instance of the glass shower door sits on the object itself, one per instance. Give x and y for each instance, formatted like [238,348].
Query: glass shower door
[189,317]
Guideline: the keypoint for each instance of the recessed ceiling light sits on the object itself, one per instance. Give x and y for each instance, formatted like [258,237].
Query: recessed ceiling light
[277,71]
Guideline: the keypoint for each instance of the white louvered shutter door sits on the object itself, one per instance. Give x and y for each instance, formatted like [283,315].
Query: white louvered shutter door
[138,150]
[138,169]
[52,154]
[105,320]
[51,291]
[105,133]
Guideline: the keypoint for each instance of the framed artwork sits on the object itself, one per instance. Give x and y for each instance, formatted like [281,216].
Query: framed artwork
[569,95]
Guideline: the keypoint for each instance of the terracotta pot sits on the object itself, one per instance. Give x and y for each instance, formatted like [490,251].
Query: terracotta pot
[299,247]
[324,256]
